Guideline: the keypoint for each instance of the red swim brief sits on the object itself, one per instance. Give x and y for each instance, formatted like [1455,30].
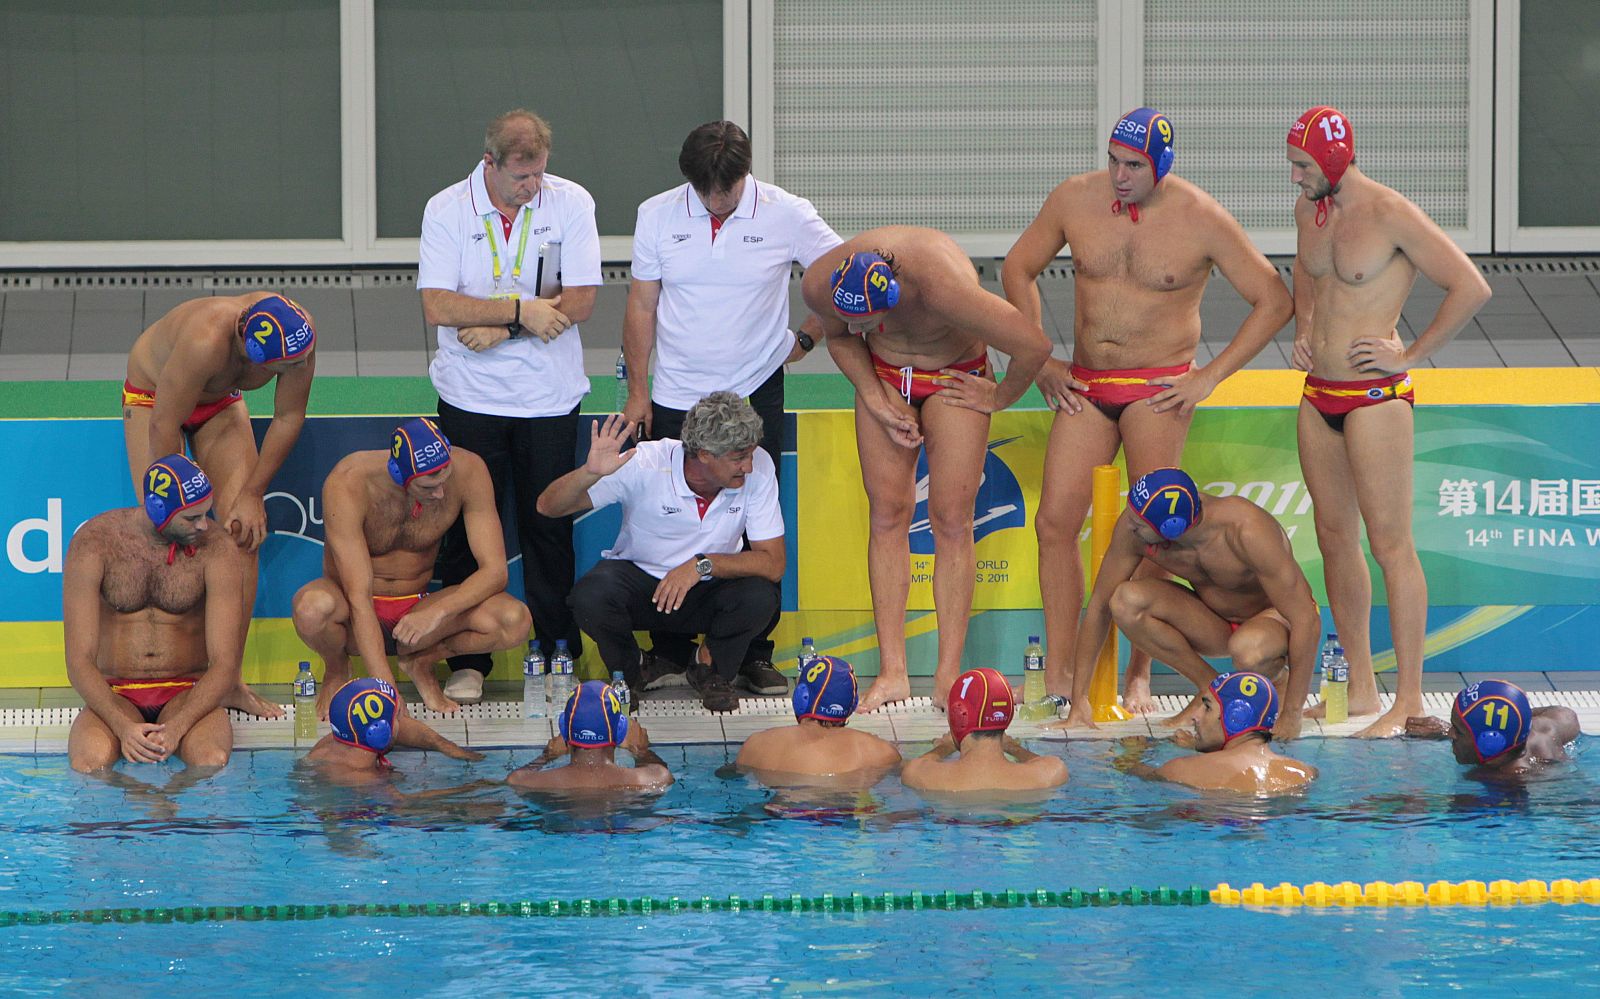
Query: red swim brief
[915,385]
[1336,400]
[391,609]
[1113,390]
[150,696]
[132,395]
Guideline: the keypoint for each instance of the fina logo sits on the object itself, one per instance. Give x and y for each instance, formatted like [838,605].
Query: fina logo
[997,507]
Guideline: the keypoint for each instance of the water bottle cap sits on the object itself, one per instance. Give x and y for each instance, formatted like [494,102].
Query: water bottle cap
[1033,639]
[532,645]
[305,665]
[806,640]
[1333,638]
[616,674]
[561,645]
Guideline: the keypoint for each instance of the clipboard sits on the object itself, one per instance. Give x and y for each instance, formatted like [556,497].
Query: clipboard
[548,276]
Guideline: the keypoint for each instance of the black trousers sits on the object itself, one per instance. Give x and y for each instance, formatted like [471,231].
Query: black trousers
[524,455]
[767,401]
[613,599]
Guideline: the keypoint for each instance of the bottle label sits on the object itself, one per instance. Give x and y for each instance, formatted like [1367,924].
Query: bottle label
[1033,662]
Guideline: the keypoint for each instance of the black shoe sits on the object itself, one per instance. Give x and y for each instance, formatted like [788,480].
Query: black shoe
[652,672]
[761,677]
[716,694]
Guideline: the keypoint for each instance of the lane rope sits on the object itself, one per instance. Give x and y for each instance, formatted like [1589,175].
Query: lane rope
[1346,894]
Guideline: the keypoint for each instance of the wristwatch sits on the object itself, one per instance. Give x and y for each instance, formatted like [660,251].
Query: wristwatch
[702,565]
[804,340]
[515,327]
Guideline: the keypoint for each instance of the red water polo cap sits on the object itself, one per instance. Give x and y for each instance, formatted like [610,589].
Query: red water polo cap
[1325,133]
[980,701]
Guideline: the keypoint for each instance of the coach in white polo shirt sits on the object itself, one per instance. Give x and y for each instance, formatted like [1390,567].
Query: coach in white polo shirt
[509,369]
[678,563]
[710,297]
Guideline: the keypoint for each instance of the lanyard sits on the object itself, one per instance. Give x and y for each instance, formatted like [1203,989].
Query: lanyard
[522,245]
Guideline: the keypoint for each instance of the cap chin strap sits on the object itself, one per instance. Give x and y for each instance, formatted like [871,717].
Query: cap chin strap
[1322,209]
[1133,209]
[172,551]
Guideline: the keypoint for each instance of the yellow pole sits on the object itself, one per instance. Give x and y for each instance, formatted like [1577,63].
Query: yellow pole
[1107,507]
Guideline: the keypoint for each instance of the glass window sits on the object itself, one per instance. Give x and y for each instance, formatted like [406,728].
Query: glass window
[621,84]
[169,119]
[1558,120]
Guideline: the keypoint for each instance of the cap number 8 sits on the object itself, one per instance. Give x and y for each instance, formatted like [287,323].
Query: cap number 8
[1247,686]
[815,671]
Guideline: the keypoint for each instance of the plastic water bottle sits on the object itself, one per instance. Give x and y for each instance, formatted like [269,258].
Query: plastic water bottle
[305,705]
[619,686]
[1036,705]
[808,652]
[533,682]
[622,381]
[560,676]
[1335,681]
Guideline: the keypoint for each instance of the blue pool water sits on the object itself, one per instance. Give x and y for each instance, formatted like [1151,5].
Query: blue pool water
[263,833]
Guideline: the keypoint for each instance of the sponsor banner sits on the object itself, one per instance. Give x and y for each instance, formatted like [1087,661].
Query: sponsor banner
[1505,503]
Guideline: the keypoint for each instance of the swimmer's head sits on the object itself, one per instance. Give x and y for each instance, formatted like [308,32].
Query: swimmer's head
[363,714]
[1490,723]
[277,329]
[1148,133]
[1167,499]
[980,701]
[863,285]
[1322,136]
[593,717]
[419,450]
[825,691]
[1235,704]
[177,497]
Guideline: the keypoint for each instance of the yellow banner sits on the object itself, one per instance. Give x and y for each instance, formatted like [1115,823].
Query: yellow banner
[833,523]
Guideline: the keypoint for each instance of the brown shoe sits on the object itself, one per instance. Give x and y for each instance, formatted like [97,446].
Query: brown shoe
[716,693]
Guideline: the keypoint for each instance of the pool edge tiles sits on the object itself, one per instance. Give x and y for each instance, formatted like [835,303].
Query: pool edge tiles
[678,722]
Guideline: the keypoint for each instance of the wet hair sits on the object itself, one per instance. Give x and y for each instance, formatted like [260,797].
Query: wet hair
[715,156]
[985,733]
[504,139]
[720,424]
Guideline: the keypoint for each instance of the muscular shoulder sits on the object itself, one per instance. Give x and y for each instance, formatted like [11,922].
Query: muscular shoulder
[99,533]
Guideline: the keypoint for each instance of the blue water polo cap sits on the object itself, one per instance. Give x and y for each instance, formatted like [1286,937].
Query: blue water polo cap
[1498,715]
[863,285]
[171,485]
[1248,703]
[276,329]
[362,713]
[418,447]
[1148,132]
[825,690]
[1167,499]
[593,717]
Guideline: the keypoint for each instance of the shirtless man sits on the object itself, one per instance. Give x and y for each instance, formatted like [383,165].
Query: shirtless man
[909,325]
[154,625]
[592,726]
[384,515]
[1233,734]
[1494,728]
[1143,243]
[365,723]
[1246,597]
[818,744]
[1359,250]
[981,706]
[185,374]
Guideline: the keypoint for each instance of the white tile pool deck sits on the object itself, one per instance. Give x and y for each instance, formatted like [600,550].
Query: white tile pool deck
[36,720]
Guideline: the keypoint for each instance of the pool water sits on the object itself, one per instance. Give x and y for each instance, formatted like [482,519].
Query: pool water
[263,832]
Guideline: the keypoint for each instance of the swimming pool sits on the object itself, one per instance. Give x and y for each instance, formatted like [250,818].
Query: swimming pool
[261,834]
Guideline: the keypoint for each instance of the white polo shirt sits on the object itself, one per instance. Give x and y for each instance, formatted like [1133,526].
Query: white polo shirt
[662,527]
[723,317]
[526,376]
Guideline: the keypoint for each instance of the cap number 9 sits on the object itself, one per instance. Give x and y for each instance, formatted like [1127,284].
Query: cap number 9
[1165,129]
[1247,686]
